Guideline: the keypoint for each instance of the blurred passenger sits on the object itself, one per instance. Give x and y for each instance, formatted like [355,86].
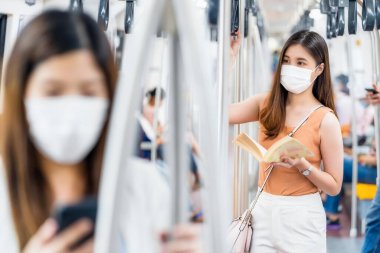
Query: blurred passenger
[275,58]
[289,215]
[59,90]
[372,231]
[147,132]
[342,102]
[366,174]
[364,113]
[150,106]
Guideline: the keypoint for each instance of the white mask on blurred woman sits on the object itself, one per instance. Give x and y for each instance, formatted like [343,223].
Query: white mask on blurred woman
[66,128]
[295,79]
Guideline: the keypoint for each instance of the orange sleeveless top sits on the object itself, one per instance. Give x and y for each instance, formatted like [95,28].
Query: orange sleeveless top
[289,181]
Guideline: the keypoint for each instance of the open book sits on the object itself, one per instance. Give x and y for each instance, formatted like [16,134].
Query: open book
[287,146]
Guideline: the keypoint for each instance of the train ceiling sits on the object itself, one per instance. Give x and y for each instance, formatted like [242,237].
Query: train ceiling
[281,15]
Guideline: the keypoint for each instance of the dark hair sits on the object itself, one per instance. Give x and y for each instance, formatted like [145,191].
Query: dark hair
[152,93]
[343,79]
[273,117]
[50,34]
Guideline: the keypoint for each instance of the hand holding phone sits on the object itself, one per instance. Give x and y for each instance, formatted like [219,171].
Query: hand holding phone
[373,91]
[373,95]
[67,215]
[46,238]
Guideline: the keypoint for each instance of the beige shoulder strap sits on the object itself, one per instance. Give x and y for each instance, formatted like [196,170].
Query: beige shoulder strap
[270,167]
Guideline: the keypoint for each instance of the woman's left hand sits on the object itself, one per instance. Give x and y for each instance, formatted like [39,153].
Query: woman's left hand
[299,163]
[185,238]
[374,99]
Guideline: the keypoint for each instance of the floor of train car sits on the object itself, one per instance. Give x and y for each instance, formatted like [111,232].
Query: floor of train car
[340,241]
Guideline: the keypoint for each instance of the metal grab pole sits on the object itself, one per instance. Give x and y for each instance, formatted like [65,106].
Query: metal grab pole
[223,81]
[377,109]
[252,90]
[239,175]
[353,229]
[237,165]
[120,145]
[178,158]
[223,78]
[195,61]
[243,180]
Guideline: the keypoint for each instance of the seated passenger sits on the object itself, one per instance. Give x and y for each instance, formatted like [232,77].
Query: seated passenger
[366,174]
[59,90]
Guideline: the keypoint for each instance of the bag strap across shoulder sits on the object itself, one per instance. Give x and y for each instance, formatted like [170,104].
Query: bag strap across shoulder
[304,120]
[270,167]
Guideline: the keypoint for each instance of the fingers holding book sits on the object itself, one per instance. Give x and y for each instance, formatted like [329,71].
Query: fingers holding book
[292,162]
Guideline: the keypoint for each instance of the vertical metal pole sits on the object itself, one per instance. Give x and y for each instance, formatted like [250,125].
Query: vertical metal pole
[223,79]
[177,156]
[239,155]
[236,185]
[119,145]
[243,180]
[196,63]
[254,60]
[353,229]
[377,108]
[224,82]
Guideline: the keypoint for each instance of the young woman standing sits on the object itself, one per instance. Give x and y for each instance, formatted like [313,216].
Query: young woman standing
[289,216]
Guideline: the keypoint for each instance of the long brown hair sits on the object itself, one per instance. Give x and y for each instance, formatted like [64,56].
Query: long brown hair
[50,34]
[272,116]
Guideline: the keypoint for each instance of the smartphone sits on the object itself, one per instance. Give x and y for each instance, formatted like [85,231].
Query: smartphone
[371,90]
[69,214]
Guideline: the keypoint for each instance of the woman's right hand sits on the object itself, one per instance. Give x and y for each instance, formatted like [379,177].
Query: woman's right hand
[46,239]
[235,46]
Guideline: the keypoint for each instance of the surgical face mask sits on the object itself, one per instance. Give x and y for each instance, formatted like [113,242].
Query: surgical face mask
[295,79]
[66,128]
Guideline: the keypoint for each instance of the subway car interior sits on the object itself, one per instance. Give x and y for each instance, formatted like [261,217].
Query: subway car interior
[189,126]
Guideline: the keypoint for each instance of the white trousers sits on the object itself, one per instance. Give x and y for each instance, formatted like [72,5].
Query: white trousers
[289,224]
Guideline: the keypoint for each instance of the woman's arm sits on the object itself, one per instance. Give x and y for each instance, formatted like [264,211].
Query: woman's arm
[329,180]
[368,160]
[245,111]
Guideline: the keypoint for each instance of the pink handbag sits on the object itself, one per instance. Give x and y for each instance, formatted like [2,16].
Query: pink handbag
[241,230]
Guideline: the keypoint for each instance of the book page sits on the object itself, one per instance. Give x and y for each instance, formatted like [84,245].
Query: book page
[245,142]
[289,147]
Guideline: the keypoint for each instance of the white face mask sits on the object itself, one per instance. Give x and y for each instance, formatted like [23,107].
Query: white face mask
[295,79]
[66,128]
